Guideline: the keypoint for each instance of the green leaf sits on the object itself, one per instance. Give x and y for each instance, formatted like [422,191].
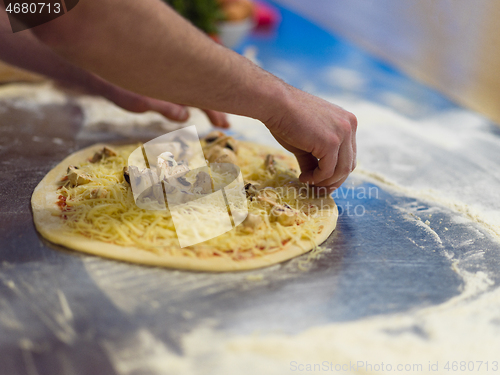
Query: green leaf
[204,14]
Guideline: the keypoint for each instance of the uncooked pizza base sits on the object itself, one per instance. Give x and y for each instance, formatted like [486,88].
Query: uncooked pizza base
[46,215]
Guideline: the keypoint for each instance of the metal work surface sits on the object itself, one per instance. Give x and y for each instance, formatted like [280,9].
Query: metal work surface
[62,312]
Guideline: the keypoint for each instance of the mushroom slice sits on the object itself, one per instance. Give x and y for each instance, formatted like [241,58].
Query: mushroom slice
[140,179]
[180,184]
[181,180]
[270,164]
[153,193]
[169,189]
[231,144]
[176,193]
[227,156]
[106,152]
[283,213]
[203,183]
[179,170]
[76,177]
[126,174]
[251,190]
[213,136]
[175,177]
[218,154]
[166,159]
[218,138]
[169,167]
[251,222]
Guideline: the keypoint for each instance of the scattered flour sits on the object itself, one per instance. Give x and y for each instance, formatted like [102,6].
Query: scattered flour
[465,328]
[450,159]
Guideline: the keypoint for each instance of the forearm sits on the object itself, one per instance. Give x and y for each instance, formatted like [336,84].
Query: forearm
[146,47]
[24,50]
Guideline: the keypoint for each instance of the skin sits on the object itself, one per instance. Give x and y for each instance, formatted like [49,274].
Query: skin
[25,50]
[147,48]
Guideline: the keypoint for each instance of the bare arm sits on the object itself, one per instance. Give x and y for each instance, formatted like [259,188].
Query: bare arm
[24,50]
[145,47]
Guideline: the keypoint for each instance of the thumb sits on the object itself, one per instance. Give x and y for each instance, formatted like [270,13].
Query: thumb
[308,163]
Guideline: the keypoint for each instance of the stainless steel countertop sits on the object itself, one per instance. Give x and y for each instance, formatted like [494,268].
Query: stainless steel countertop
[58,308]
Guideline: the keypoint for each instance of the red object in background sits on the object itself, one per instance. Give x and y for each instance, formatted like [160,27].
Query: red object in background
[215,38]
[265,16]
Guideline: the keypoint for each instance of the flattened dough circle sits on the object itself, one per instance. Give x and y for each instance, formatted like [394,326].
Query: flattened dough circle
[46,215]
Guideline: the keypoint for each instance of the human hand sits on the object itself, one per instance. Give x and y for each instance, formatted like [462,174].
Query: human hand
[139,103]
[320,134]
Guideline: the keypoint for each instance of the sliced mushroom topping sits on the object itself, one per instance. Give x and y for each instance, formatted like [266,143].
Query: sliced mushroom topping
[218,138]
[213,136]
[178,183]
[140,179]
[177,193]
[106,152]
[169,189]
[251,222]
[203,183]
[153,193]
[251,190]
[231,144]
[183,181]
[218,154]
[169,167]
[177,180]
[76,177]
[283,213]
[166,159]
[227,156]
[270,164]
[126,175]
[179,170]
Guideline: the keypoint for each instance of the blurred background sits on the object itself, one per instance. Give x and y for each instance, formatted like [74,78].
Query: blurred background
[452,45]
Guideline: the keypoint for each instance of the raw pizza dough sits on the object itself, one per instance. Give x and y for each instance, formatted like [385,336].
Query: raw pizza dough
[47,218]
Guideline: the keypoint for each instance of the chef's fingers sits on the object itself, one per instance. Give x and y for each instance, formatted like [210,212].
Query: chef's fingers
[307,163]
[343,166]
[354,145]
[175,112]
[217,119]
[326,160]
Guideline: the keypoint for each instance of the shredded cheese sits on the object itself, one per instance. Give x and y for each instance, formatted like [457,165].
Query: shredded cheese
[104,210]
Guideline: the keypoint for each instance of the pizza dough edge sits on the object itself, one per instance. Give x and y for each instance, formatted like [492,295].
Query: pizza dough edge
[49,225]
